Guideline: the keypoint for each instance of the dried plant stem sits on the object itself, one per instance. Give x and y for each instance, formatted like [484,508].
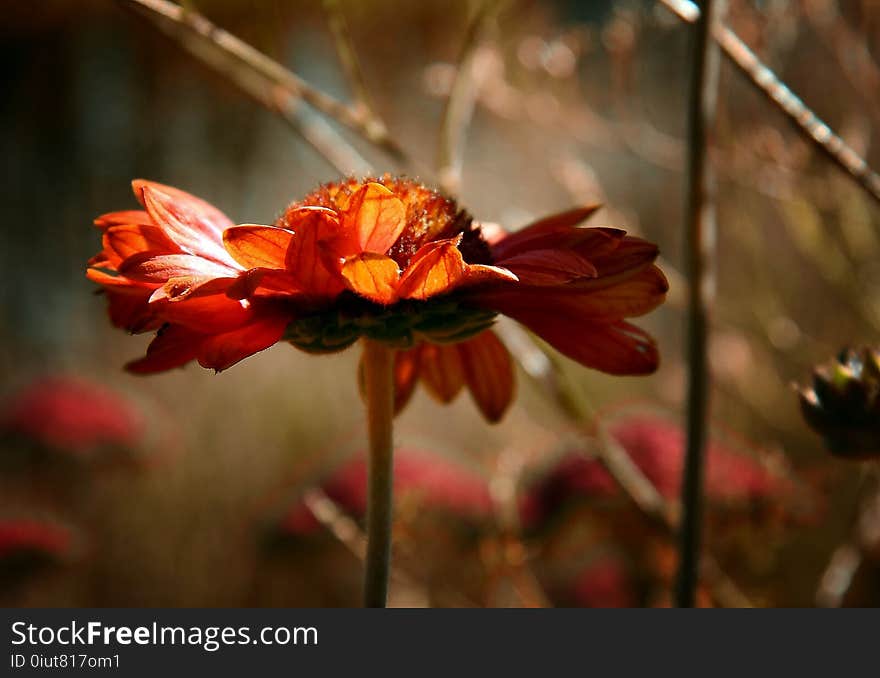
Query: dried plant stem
[847,558]
[804,119]
[316,131]
[699,241]
[193,26]
[460,104]
[378,365]
[348,59]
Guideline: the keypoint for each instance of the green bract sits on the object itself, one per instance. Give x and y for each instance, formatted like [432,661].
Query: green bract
[401,326]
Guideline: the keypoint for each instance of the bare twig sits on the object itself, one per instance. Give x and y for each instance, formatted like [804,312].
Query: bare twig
[838,575]
[460,104]
[350,63]
[699,244]
[847,558]
[804,119]
[313,129]
[189,25]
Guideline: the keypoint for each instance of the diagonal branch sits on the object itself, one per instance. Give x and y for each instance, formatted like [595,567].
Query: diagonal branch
[350,63]
[804,119]
[316,131]
[185,26]
[462,97]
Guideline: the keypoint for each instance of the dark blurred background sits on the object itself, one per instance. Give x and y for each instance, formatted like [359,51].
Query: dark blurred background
[198,500]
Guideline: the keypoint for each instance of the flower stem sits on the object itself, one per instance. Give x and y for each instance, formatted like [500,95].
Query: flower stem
[378,365]
[700,236]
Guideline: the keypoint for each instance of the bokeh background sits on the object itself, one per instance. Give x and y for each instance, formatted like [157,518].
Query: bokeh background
[190,489]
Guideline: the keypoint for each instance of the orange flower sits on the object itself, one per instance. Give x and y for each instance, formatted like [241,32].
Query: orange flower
[386,259]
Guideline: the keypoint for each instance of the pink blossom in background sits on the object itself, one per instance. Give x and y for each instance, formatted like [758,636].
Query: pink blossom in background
[437,483]
[73,415]
[32,537]
[656,445]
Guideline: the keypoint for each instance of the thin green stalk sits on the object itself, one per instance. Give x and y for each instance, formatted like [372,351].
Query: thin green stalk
[378,365]
[698,242]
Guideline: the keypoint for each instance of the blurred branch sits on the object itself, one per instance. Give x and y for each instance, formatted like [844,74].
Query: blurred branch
[538,364]
[699,255]
[838,575]
[845,561]
[804,119]
[349,534]
[341,155]
[186,26]
[462,97]
[350,64]
[849,49]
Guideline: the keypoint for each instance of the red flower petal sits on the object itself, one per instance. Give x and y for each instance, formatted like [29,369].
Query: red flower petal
[439,267]
[178,289]
[222,351]
[305,259]
[441,371]
[154,267]
[640,294]
[546,233]
[629,255]
[599,298]
[594,242]
[616,348]
[488,371]
[255,246]
[206,314]
[174,346]
[436,268]
[132,312]
[124,218]
[406,376]
[377,216]
[129,239]
[193,224]
[117,283]
[373,276]
[550,267]
[263,282]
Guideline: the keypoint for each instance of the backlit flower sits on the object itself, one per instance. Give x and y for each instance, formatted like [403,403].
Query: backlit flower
[384,259]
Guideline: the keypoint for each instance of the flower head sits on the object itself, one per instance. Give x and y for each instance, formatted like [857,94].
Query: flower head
[72,415]
[843,404]
[386,259]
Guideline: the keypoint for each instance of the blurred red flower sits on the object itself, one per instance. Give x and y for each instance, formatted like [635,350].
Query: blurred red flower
[603,583]
[386,259]
[432,481]
[70,414]
[31,538]
[656,445]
